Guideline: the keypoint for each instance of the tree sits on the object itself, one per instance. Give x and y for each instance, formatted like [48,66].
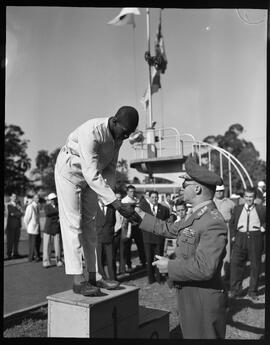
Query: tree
[243,150]
[17,161]
[43,174]
[121,175]
[42,160]
[122,165]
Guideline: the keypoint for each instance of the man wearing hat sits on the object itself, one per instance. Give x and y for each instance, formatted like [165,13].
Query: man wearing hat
[225,207]
[51,229]
[259,193]
[85,168]
[201,246]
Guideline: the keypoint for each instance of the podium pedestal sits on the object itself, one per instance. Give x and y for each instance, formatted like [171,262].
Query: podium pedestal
[115,314]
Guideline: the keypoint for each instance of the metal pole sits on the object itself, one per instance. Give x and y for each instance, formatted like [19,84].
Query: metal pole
[221,165]
[230,177]
[149,67]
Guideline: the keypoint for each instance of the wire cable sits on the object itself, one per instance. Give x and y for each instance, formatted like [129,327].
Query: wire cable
[246,20]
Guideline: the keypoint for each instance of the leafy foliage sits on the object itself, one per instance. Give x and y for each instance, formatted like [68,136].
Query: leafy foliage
[43,174]
[121,176]
[241,149]
[17,161]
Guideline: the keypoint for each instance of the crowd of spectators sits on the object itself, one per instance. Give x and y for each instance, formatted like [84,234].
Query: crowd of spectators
[116,235]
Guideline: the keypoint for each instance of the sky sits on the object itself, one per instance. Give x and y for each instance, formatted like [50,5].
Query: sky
[67,65]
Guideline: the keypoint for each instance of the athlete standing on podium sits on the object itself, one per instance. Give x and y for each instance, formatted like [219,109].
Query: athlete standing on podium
[85,168]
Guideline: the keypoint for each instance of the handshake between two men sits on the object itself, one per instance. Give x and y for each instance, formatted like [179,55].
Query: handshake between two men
[128,211]
[134,214]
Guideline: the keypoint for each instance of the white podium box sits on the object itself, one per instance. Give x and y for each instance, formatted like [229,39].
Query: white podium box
[153,323]
[114,315]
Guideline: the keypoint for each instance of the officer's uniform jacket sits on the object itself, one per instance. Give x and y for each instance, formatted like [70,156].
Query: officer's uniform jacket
[201,242]
[90,158]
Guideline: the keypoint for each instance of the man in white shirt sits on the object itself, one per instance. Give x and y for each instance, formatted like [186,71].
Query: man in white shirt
[247,227]
[86,168]
[32,223]
[168,202]
[130,232]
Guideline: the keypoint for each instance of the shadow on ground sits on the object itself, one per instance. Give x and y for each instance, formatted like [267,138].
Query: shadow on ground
[176,333]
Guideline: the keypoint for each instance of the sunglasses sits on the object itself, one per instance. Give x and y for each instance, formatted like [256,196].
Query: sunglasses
[185,184]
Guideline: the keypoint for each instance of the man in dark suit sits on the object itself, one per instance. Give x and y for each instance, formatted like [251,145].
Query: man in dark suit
[153,244]
[105,221]
[201,247]
[13,228]
[247,230]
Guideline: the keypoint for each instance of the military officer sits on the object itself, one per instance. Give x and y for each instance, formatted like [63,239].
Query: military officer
[85,168]
[201,247]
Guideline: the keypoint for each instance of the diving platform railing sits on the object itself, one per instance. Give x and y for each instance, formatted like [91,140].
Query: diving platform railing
[165,150]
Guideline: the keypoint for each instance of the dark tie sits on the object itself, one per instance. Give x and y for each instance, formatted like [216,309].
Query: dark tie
[154,210]
[248,212]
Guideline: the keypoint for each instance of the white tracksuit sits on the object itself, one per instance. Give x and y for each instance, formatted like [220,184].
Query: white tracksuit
[85,168]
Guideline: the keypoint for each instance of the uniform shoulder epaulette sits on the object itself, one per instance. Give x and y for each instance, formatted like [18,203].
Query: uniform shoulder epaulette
[216,214]
[202,211]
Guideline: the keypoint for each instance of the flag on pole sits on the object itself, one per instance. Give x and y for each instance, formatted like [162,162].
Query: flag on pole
[160,49]
[160,66]
[155,86]
[126,16]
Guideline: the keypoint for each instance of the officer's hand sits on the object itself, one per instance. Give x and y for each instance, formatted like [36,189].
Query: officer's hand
[161,263]
[233,239]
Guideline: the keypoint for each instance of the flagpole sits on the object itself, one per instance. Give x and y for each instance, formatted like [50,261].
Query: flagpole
[149,66]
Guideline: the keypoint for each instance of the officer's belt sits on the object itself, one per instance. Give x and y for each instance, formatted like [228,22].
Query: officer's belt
[205,284]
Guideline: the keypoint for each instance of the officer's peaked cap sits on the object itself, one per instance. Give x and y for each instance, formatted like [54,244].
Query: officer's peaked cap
[128,117]
[200,174]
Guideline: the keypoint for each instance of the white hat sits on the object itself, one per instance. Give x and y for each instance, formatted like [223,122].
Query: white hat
[52,196]
[261,184]
[235,196]
[220,188]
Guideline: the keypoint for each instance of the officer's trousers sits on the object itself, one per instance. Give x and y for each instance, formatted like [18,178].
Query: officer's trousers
[77,211]
[202,312]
